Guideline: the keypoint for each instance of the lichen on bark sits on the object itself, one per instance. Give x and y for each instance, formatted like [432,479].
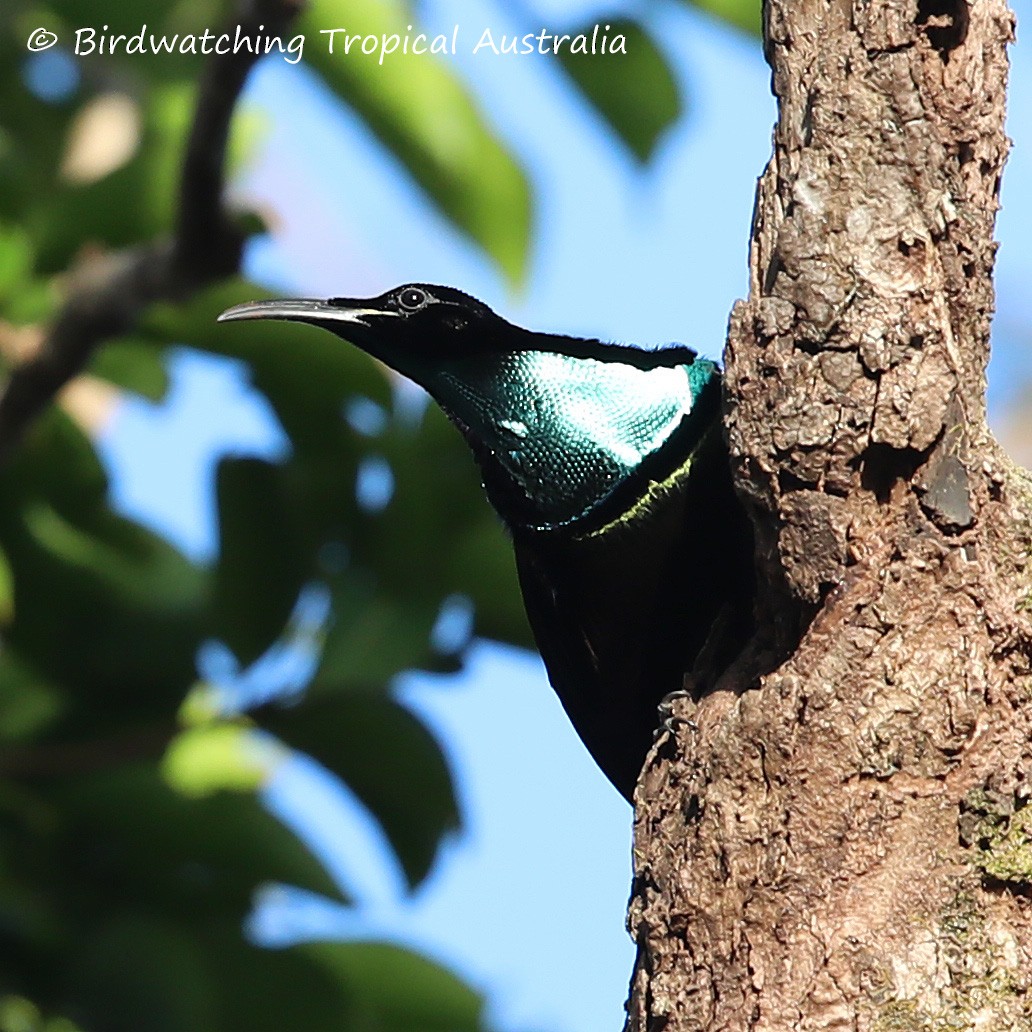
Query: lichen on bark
[803,847]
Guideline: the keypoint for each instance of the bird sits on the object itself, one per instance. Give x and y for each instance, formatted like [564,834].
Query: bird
[608,467]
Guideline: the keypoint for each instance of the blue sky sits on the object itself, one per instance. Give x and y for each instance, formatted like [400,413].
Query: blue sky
[528,904]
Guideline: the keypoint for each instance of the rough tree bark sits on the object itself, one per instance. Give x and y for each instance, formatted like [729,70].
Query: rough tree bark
[839,838]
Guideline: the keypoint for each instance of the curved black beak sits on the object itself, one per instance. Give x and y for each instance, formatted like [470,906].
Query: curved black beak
[349,311]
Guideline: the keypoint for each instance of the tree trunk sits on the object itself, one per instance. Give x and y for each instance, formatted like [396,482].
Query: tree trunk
[837,835]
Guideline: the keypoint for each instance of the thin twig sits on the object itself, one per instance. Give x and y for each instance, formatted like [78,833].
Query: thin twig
[52,760]
[108,296]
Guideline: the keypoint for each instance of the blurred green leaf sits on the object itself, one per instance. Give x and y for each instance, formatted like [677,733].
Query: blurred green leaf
[28,704]
[57,461]
[262,562]
[6,590]
[32,135]
[129,15]
[132,970]
[327,987]
[373,636]
[135,971]
[461,549]
[743,14]
[17,1014]
[635,92]
[202,705]
[388,759]
[398,989]
[219,757]
[129,606]
[134,202]
[421,112]
[129,609]
[133,364]
[135,838]
[16,259]
[485,572]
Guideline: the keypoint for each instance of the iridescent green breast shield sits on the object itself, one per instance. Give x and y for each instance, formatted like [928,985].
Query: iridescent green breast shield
[565,432]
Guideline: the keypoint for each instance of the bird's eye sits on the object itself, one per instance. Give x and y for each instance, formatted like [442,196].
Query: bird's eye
[412,298]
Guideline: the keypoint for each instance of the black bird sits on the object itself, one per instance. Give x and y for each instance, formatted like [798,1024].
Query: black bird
[607,464]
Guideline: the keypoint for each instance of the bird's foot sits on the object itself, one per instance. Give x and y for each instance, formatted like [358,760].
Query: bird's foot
[669,721]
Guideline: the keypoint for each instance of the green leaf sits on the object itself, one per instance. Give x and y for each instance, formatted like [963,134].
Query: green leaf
[33,133]
[743,14]
[395,989]
[16,258]
[219,757]
[389,760]
[6,590]
[135,971]
[459,548]
[133,364]
[18,1014]
[262,562]
[131,14]
[635,92]
[128,970]
[57,461]
[129,608]
[484,570]
[138,839]
[134,202]
[421,112]
[374,635]
[34,302]
[126,974]
[328,987]
[28,704]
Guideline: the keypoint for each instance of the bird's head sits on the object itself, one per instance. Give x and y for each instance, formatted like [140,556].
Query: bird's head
[414,328]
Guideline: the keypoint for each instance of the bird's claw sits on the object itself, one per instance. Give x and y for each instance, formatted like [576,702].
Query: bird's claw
[669,721]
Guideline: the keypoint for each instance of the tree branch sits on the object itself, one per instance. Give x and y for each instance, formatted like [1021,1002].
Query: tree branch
[108,295]
[56,760]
